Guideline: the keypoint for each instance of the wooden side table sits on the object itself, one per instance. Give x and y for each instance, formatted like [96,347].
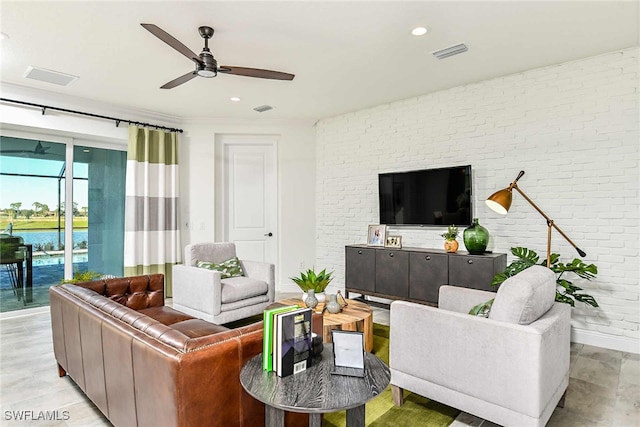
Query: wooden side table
[356,316]
[315,391]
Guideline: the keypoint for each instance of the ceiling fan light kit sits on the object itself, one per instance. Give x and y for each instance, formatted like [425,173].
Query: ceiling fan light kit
[206,64]
[450,51]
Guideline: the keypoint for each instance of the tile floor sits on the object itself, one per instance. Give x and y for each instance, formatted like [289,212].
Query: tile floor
[604,389]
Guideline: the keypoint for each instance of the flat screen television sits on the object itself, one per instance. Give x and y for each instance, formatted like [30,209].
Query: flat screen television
[429,197]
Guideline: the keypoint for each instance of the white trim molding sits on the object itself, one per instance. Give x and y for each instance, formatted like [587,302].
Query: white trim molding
[598,339]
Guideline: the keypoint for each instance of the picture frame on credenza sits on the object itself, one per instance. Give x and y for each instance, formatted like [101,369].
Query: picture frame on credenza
[377,235]
[394,242]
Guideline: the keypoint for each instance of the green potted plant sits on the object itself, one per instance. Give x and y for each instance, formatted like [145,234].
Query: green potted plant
[450,242]
[566,291]
[82,276]
[310,280]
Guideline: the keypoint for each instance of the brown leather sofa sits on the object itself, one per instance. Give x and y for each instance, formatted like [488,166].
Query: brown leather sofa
[145,364]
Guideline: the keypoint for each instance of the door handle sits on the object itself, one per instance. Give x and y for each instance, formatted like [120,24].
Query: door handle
[269,234]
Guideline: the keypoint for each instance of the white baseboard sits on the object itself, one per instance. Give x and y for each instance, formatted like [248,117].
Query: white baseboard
[598,339]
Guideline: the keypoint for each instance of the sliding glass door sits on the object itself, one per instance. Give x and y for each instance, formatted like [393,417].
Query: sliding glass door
[40,199]
[103,193]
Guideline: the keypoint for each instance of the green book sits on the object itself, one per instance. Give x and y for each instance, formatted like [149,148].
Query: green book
[267,337]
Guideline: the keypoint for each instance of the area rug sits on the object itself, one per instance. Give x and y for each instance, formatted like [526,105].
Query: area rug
[381,412]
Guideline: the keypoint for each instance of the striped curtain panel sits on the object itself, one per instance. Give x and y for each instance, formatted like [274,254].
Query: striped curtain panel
[152,232]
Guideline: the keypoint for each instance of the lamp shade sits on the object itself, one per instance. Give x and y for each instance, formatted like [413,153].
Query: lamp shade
[500,201]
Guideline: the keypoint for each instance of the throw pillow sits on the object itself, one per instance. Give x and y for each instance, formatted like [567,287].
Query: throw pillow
[483,309]
[525,297]
[228,268]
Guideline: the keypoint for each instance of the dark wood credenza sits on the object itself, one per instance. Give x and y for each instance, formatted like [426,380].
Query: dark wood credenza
[416,274]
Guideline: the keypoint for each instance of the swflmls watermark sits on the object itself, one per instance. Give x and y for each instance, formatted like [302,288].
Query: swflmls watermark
[30,415]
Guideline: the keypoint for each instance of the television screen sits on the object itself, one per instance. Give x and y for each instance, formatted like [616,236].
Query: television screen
[437,197]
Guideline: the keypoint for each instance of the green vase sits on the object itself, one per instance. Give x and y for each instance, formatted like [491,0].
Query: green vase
[476,238]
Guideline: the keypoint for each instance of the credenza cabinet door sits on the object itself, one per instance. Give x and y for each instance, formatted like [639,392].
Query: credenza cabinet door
[427,272]
[472,271]
[360,269]
[392,272]
[416,274]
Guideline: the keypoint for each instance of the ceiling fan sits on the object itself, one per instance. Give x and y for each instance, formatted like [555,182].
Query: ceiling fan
[206,65]
[39,149]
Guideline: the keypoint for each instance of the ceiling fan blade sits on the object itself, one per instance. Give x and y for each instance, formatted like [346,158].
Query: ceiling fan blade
[255,72]
[40,149]
[182,79]
[172,41]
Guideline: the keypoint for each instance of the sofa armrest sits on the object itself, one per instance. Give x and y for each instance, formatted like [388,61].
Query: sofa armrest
[262,271]
[197,288]
[461,300]
[511,365]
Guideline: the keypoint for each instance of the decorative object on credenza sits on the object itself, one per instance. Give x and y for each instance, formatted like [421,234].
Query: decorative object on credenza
[311,301]
[377,235]
[450,243]
[500,202]
[312,280]
[394,242]
[475,238]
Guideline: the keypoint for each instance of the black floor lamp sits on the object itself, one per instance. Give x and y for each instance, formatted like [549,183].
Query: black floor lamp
[500,202]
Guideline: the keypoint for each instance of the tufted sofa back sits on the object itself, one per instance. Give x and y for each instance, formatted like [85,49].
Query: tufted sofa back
[137,292]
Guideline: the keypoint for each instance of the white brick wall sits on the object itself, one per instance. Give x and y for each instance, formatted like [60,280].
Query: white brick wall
[572,127]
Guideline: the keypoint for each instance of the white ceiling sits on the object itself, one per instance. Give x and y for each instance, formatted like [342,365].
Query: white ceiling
[346,55]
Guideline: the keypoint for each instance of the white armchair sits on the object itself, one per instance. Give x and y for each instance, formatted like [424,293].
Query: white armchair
[203,293]
[512,371]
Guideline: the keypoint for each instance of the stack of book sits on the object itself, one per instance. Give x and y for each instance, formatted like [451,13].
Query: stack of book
[287,340]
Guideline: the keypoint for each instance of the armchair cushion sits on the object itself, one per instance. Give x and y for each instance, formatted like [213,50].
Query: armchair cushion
[228,268]
[241,288]
[525,297]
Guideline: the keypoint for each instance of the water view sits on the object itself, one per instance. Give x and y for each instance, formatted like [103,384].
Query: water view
[42,238]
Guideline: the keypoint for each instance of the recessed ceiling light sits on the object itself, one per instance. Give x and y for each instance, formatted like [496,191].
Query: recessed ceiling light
[234,99]
[3,36]
[419,31]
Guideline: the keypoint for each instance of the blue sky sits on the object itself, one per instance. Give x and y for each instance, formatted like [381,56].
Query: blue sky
[27,190]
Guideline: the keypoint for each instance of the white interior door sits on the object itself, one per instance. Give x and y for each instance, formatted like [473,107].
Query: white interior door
[251,197]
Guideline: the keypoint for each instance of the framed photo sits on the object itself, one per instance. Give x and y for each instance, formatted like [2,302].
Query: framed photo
[377,235]
[348,353]
[394,242]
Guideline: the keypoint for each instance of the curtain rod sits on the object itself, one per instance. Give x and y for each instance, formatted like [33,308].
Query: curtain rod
[64,110]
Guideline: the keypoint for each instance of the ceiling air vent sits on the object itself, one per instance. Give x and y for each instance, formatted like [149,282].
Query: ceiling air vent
[49,76]
[263,108]
[450,51]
